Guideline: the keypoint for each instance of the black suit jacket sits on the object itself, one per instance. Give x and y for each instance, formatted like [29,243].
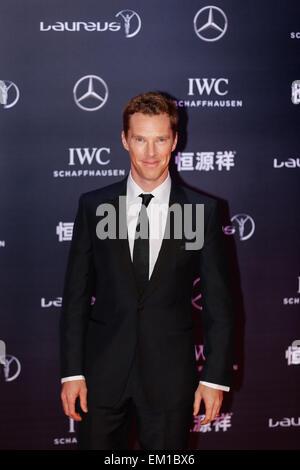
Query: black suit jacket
[99,341]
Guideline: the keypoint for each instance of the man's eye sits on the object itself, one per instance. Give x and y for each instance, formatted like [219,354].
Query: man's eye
[139,139]
[162,139]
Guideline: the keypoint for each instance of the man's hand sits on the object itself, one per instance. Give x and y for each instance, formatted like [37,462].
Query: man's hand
[69,393]
[212,400]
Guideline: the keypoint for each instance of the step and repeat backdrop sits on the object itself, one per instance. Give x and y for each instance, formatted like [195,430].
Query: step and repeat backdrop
[66,71]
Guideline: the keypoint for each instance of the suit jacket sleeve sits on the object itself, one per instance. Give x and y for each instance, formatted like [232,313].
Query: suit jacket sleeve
[77,293]
[217,305]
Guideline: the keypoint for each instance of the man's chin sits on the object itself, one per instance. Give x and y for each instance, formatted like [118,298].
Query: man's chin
[151,175]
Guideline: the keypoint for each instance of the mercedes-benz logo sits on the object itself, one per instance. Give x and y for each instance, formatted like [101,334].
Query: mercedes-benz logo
[127,16]
[210,23]
[90,93]
[9,94]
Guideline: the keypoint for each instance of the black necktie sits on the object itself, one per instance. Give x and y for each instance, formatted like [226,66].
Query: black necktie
[140,256]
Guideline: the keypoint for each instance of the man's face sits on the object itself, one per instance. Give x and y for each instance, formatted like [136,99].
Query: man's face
[149,141]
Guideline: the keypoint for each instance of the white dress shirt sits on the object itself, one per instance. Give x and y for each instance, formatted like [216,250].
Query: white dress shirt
[157,212]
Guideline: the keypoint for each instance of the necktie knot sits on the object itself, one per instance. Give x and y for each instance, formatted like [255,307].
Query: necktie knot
[146,198]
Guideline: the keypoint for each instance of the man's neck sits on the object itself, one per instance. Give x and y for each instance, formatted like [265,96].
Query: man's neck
[149,185]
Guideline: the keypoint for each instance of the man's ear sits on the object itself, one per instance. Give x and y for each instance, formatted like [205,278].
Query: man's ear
[124,141]
[175,142]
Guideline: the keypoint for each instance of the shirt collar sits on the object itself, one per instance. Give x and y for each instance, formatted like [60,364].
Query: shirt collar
[161,193]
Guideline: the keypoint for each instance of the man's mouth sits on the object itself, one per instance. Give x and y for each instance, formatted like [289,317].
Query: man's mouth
[154,163]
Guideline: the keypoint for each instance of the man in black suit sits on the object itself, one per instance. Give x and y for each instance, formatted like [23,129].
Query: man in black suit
[132,351]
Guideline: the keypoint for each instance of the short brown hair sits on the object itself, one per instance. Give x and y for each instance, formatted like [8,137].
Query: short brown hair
[153,104]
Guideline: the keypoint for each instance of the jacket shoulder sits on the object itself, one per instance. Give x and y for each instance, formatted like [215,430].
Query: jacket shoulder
[197,197]
[103,194]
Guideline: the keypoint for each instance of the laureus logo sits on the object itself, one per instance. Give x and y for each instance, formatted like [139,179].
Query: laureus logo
[9,94]
[245,226]
[11,365]
[130,22]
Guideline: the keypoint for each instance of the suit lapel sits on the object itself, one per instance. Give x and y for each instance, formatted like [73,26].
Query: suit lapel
[122,244]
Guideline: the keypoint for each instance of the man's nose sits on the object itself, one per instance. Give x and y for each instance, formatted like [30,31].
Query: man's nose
[151,149]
